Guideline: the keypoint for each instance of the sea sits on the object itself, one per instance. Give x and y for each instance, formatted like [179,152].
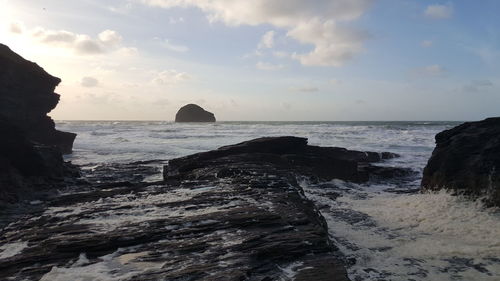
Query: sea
[385,230]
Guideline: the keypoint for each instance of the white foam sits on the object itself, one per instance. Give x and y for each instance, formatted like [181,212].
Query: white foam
[433,236]
[117,266]
[12,249]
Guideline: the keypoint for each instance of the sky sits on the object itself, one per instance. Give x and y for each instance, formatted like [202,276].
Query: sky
[276,60]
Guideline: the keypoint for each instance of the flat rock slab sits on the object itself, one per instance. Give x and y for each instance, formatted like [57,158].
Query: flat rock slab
[254,226]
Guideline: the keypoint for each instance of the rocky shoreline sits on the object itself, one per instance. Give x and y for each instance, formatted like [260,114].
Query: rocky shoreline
[238,214]
[234,213]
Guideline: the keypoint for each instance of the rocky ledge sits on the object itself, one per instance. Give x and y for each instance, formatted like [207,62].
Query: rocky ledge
[194,113]
[467,160]
[236,213]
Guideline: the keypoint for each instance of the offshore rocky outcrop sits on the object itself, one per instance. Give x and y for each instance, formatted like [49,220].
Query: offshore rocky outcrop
[30,147]
[467,160]
[236,213]
[26,96]
[288,153]
[194,113]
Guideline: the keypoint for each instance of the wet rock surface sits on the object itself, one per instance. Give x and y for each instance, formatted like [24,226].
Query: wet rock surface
[288,153]
[467,159]
[194,113]
[234,216]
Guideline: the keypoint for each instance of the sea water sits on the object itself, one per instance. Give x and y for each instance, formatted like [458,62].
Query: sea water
[386,231]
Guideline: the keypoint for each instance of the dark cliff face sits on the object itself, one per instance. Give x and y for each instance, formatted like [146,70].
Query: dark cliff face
[30,146]
[467,159]
[194,113]
[26,96]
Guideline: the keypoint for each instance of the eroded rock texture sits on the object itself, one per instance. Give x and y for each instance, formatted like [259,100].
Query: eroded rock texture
[236,213]
[467,159]
[26,96]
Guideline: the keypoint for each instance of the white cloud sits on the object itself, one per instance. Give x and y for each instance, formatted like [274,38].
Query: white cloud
[439,11]
[174,47]
[106,41]
[110,37]
[169,77]
[334,45]
[127,51]
[89,82]
[312,22]
[269,66]
[267,40]
[426,43]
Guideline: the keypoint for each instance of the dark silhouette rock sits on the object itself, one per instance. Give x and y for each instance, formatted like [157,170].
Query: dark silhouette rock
[194,113]
[290,153]
[30,147]
[26,167]
[467,159]
[26,96]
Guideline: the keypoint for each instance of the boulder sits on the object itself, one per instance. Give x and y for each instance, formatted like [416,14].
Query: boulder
[26,96]
[467,160]
[194,113]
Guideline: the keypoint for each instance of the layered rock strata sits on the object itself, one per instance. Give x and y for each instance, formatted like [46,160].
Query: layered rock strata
[236,213]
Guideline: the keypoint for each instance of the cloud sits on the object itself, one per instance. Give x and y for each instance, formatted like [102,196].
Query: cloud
[267,40]
[123,9]
[426,43]
[16,27]
[487,53]
[478,86]
[110,37]
[169,77]
[439,11]
[334,45]
[174,47]
[434,70]
[172,20]
[281,54]
[89,82]
[127,51]
[320,23]
[268,66]
[106,41]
